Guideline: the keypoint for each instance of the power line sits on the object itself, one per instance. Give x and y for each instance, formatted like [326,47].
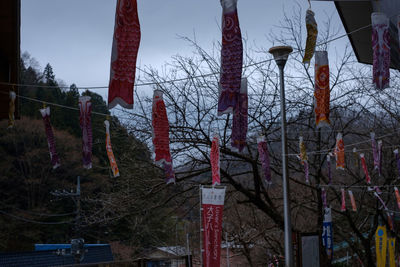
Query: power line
[33,221]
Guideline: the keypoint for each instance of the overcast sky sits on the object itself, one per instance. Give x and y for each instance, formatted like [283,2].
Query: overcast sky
[75,36]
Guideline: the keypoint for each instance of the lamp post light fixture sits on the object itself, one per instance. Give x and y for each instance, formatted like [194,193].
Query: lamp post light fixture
[281,54]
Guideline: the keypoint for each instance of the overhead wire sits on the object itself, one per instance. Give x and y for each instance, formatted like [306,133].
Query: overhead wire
[33,221]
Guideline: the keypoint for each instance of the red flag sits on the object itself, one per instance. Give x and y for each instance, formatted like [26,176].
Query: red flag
[322,91]
[339,152]
[214,158]
[51,141]
[161,136]
[397,196]
[110,154]
[85,107]
[352,200]
[212,203]
[125,48]
[365,168]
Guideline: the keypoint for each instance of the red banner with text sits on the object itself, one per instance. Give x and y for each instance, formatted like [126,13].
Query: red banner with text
[212,207]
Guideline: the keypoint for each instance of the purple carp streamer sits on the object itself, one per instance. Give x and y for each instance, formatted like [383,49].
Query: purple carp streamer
[381,50]
[231,58]
[55,160]
[110,153]
[312,33]
[264,158]
[11,110]
[239,124]
[85,107]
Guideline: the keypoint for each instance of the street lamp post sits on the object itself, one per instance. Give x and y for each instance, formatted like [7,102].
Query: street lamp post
[281,54]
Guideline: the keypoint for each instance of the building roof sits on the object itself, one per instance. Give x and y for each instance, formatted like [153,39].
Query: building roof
[356,19]
[43,258]
[174,250]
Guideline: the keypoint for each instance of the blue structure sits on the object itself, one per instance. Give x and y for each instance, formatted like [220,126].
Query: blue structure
[49,255]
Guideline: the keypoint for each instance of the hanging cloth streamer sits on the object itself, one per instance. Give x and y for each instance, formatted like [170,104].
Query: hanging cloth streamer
[264,158]
[374,151]
[339,152]
[365,168]
[380,157]
[328,160]
[11,110]
[55,160]
[231,58]
[381,50]
[392,244]
[85,121]
[215,161]
[125,48]
[239,123]
[322,91]
[380,246]
[323,197]
[352,200]
[396,191]
[161,136]
[110,154]
[312,33]
[343,207]
[396,153]
[304,158]
[327,233]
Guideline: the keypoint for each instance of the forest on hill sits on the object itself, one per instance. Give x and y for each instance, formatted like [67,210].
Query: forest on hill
[118,210]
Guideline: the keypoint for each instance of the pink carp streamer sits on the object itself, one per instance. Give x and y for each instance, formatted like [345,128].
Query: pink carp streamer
[11,110]
[231,58]
[312,33]
[352,200]
[110,154]
[343,207]
[85,107]
[55,160]
[339,152]
[381,50]
[396,191]
[365,168]
[304,158]
[322,90]
[215,161]
[374,151]
[161,136]
[125,48]
[239,124]
[264,158]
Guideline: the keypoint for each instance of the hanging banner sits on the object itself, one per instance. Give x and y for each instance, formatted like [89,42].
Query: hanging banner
[396,153]
[51,142]
[85,121]
[304,158]
[239,123]
[392,244]
[212,205]
[110,154]
[374,151]
[396,191]
[381,50]
[125,48]
[231,58]
[264,158]
[327,233]
[161,136]
[365,168]
[312,33]
[11,110]
[328,160]
[215,161]
[352,200]
[322,90]
[323,197]
[380,246]
[343,207]
[339,152]
[380,157]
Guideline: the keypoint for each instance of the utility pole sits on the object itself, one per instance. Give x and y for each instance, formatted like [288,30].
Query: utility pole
[77,243]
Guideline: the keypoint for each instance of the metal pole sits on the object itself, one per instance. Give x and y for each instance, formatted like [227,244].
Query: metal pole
[285,181]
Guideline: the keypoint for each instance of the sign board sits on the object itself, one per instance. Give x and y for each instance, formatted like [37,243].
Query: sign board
[310,250]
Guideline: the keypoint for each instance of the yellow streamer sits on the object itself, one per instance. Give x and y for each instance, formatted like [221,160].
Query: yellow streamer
[312,33]
[381,246]
[392,244]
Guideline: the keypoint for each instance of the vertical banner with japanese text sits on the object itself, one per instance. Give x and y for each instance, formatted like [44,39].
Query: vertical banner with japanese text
[212,204]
